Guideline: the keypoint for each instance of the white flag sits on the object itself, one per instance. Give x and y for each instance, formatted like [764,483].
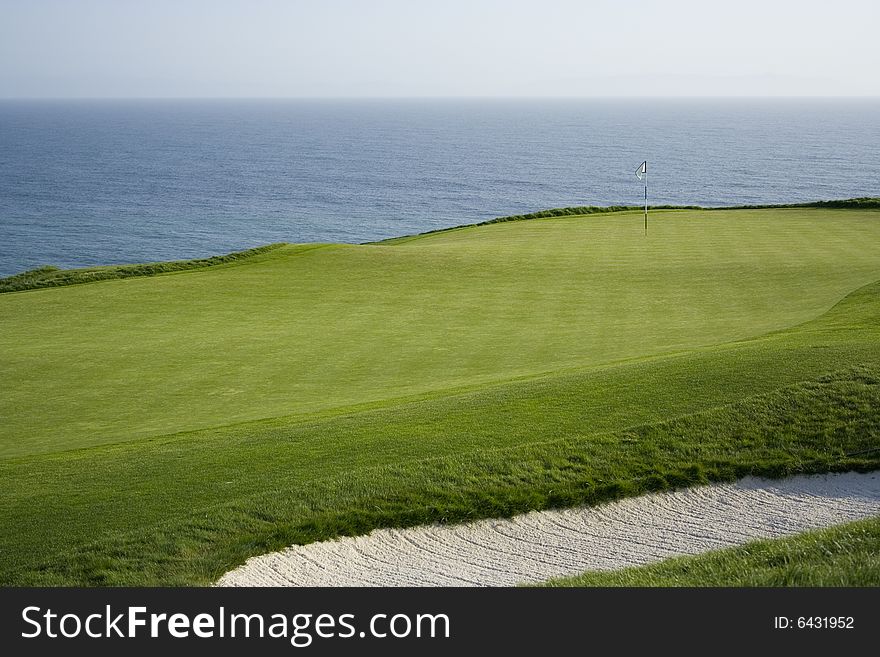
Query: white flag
[642,170]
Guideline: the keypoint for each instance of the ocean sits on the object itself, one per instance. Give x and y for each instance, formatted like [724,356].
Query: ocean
[102,182]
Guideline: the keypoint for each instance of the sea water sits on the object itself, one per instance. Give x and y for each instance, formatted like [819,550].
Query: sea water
[109,181]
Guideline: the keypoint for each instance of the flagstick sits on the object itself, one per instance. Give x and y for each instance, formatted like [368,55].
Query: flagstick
[646,198]
[640,172]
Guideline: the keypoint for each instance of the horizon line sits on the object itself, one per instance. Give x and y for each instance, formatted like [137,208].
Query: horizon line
[465,97]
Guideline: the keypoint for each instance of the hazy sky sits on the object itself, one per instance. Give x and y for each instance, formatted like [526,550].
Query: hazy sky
[277,48]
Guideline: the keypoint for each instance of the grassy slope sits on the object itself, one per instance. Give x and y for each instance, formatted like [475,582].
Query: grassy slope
[183,508]
[301,329]
[50,276]
[847,555]
[180,512]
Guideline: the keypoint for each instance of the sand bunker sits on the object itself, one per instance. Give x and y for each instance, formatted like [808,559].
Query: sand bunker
[537,546]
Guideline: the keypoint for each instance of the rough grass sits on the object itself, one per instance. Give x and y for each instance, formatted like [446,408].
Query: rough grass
[50,276]
[846,555]
[153,520]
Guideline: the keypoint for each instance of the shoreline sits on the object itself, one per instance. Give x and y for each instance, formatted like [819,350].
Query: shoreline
[51,276]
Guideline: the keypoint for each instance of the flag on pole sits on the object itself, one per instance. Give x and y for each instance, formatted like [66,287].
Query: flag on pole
[642,173]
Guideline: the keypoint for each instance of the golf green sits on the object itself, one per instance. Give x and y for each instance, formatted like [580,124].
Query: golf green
[303,329]
[161,429]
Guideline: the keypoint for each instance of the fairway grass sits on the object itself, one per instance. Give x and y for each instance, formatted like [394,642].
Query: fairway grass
[847,555]
[161,430]
[305,329]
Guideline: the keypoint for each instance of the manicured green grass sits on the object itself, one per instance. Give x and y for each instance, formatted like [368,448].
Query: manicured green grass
[847,555]
[465,374]
[861,203]
[302,329]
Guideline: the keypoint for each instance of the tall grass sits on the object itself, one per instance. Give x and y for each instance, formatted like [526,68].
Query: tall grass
[51,276]
[847,555]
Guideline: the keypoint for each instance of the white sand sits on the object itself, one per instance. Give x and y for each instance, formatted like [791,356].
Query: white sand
[540,545]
